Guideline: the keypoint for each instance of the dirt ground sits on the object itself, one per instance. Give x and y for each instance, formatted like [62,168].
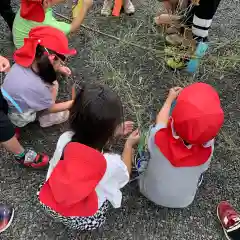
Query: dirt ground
[132,63]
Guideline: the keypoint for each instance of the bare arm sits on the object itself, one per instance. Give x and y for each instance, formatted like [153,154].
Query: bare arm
[54,90]
[128,150]
[127,156]
[163,115]
[77,21]
[59,107]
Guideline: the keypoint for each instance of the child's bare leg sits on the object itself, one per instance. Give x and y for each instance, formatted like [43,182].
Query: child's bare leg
[47,119]
[173,8]
[167,19]
[168,6]
[78,19]
[13,146]
[183,4]
[9,141]
[87,4]
[27,158]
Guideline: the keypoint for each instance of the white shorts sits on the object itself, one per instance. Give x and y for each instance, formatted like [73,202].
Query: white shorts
[22,119]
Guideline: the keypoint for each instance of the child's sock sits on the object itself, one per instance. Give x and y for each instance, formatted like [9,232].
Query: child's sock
[28,156]
[20,156]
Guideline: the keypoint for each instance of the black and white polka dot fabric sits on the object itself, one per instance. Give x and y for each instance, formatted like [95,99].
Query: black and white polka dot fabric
[80,223]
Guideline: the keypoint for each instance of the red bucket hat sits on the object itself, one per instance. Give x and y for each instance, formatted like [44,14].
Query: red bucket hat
[48,37]
[32,10]
[196,120]
[70,189]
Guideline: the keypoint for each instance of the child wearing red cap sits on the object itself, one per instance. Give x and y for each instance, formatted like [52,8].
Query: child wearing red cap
[181,145]
[35,13]
[83,176]
[31,86]
[27,158]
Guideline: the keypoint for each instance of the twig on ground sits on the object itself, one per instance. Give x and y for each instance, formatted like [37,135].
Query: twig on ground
[160,52]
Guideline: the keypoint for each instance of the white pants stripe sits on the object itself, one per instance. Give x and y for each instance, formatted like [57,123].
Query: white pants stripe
[199,32]
[201,22]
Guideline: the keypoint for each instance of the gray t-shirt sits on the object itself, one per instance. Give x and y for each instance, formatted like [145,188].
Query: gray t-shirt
[27,89]
[166,185]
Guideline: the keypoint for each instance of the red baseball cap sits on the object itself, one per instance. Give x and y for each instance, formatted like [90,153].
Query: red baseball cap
[48,37]
[70,189]
[196,120]
[32,10]
[198,115]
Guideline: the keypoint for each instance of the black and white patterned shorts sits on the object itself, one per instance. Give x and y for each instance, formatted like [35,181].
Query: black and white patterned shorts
[80,223]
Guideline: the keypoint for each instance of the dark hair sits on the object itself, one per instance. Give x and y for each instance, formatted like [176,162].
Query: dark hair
[95,115]
[45,68]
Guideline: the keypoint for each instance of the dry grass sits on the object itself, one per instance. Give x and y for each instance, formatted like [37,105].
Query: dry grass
[129,53]
[129,57]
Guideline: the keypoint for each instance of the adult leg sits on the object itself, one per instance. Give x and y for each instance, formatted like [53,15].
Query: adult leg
[7,12]
[202,19]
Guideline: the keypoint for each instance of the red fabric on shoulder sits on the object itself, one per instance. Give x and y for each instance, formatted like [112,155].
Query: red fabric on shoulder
[177,153]
[32,10]
[70,190]
[196,118]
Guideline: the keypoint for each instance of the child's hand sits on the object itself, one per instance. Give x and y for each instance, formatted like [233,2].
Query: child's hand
[133,139]
[65,70]
[124,128]
[4,64]
[173,93]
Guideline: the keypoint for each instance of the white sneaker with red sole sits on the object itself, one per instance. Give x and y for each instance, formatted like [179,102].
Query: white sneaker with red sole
[230,220]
